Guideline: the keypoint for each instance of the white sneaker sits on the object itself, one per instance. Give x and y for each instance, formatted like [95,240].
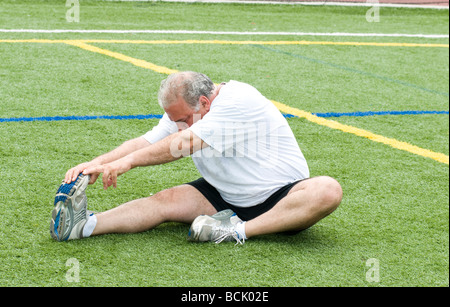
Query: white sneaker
[70,212]
[217,228]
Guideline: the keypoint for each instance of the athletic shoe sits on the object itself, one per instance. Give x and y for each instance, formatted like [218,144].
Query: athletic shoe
[70,212]
[217,228]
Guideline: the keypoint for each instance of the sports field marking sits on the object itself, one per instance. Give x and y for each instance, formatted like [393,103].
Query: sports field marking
[157,116]
[122,57]
[290,110]
[318,3]
[379,113]
[223,42]
[336,34]
[363,133]
[88,117]
[353,70]
[282,107]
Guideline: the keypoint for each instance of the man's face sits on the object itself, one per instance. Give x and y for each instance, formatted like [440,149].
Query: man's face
[181,113]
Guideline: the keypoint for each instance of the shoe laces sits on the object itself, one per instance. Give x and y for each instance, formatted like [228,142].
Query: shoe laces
[228,234]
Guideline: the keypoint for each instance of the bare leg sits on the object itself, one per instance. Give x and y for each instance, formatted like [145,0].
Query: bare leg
[179,204]
[308,202]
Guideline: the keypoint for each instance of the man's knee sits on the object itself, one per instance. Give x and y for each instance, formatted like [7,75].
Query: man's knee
[164,196]
[330,193]
[182,204]
[166,202]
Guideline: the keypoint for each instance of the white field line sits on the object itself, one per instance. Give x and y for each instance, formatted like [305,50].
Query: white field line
[338,34]
[318,3]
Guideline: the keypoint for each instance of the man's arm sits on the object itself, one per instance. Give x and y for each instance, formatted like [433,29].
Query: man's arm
[120,152]
[169,149]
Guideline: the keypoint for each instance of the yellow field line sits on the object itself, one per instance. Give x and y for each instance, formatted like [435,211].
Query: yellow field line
[122,57]
[363,133]
[282,107]
[226,42]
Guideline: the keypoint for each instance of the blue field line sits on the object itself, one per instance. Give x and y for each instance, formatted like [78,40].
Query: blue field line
[59,118]
[373,113]
[158,116]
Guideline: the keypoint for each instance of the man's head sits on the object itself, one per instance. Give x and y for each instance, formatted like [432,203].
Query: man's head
[184,94]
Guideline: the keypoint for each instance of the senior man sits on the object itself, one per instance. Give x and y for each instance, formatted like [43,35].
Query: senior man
[255,179]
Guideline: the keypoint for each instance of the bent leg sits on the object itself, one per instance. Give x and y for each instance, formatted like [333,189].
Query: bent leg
[308,202]
[178,204]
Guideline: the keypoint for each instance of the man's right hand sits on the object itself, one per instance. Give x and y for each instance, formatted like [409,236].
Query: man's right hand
[120,152]
[73,173]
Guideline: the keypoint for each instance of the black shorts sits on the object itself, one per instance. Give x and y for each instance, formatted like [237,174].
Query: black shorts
[246,214]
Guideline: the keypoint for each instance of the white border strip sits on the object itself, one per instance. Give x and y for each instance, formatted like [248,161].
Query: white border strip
[317,3]
[224,33]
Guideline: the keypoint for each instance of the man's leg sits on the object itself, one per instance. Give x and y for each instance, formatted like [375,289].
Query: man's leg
[308,202]
[179,204]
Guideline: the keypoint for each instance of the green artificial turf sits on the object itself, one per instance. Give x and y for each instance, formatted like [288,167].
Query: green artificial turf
[395,206]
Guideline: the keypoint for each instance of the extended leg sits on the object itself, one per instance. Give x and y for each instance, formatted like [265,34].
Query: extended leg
[179,204]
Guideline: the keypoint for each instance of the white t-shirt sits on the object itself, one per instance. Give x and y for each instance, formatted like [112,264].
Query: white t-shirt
[252,151]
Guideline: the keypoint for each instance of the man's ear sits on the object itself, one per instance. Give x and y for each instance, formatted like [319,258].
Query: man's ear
[205,102]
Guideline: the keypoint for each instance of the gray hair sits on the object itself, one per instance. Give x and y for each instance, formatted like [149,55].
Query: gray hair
[189,85]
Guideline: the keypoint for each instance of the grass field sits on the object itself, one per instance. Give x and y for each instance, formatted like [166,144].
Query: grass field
[396,198]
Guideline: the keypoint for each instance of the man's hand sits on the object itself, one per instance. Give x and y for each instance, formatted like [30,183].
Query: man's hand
[110,171]
[73,173]
[120,152]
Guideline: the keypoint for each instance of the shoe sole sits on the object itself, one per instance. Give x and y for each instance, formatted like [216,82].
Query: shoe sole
[62,221]
[194,235]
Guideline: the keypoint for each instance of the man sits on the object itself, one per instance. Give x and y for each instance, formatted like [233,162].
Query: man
[255,179]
